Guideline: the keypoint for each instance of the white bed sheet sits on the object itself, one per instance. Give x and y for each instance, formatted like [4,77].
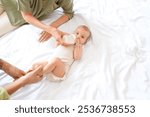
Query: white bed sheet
[115,63]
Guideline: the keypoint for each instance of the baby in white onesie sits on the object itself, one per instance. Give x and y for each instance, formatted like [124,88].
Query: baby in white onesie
[65,54]
[69,49]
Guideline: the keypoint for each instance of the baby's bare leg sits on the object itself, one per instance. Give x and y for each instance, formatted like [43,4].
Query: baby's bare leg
[11,70]
[55,66]
[36,65]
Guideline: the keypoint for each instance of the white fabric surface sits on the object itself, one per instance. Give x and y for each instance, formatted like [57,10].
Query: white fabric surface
[115,63]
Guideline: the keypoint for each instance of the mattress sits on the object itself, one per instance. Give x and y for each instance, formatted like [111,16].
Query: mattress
[115,62]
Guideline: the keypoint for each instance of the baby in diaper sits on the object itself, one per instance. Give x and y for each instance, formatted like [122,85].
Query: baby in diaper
[69,48]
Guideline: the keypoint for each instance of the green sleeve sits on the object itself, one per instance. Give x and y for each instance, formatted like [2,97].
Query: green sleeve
[1,8]
[3,94]
[24,5]
[0,2]
[67,6]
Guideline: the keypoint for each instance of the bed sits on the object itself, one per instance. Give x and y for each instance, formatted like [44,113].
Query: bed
[115,63]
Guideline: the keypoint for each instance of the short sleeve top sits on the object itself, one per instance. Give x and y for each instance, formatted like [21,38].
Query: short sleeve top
[38,8]
[3,94]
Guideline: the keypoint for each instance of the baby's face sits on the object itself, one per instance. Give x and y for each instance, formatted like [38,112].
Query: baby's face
[82,35]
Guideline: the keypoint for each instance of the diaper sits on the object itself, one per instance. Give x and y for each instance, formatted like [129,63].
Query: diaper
[54,78]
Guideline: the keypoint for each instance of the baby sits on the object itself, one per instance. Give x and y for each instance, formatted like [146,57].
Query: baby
[69,49]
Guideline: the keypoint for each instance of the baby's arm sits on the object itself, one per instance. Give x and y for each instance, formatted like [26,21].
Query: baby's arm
[78,51]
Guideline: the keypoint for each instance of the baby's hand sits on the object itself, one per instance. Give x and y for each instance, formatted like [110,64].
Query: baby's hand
[77,41]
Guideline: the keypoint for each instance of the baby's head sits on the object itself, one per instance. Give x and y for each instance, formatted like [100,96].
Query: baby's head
[82,33]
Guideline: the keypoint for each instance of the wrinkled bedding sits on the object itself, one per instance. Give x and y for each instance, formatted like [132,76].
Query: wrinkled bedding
[115,63]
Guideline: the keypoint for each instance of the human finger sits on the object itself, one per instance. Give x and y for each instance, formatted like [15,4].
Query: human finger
[33,76]
[35,66]
[38,71]
[44,36]
[23,73]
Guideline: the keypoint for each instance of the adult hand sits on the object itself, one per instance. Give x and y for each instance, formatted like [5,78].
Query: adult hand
[32,76]
[38,64]
[57,34]
[44,36]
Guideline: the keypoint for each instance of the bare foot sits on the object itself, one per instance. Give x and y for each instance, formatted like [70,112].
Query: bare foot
[11,70]
[42,64]
[32,76]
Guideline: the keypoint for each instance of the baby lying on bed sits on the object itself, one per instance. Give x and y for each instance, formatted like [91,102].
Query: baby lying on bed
[69,49]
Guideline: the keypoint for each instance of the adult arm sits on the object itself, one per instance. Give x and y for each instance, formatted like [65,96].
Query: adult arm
[14,86]
[64,18]
[31,77]
[26,12]
[67,7]
[45,35]
[28,17]
[11,69]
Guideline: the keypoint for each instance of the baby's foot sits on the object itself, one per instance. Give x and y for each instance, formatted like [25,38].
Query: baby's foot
[39,64]
[32,76]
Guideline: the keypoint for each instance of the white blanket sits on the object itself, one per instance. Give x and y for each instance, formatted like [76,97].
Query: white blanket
[115,62]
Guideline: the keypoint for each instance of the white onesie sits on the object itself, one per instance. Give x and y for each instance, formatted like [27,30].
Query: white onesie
[65,53]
